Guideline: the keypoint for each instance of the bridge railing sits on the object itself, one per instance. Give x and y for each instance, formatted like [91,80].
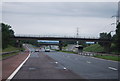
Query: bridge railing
[95,53]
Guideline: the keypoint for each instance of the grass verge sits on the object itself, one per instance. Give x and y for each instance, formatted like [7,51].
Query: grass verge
[11,48]
[94,48]
[114,58]
[7,55]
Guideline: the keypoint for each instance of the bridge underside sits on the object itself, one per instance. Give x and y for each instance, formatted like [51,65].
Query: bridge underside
[61,39]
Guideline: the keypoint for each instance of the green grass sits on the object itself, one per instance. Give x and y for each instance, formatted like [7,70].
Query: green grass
[94,48]
[11,48]
[114,58]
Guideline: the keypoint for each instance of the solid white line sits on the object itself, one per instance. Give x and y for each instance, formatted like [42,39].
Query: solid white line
[112,68]
[13,74]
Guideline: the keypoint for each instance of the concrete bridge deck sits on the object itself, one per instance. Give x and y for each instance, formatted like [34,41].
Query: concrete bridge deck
[60,38]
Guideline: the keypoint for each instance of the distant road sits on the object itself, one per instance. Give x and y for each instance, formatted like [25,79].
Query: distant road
[87,67]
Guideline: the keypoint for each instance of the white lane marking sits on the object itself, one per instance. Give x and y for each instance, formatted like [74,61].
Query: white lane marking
[56,62]
[88,62]
[64,68]
[112,68]
[13,74]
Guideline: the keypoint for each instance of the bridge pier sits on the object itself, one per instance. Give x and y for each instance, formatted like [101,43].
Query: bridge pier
[80,48]
[60,45]
[18,43]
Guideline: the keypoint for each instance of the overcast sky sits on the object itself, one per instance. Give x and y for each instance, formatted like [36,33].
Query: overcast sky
[61,18]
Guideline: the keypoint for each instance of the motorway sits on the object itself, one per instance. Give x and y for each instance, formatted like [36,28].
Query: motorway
[87,67]
[41,66]
[76,66]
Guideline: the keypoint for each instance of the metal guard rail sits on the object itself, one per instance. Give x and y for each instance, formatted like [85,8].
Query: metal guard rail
[5,53]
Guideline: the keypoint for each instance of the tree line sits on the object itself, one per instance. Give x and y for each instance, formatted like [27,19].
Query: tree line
[114,45]
[7,32]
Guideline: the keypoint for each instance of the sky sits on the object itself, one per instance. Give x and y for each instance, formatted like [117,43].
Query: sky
[60,18]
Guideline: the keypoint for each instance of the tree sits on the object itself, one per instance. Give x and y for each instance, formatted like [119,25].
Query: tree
[105,45]
[117,37]
[7,32]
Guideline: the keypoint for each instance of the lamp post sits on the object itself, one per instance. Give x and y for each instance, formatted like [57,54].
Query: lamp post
[77,35]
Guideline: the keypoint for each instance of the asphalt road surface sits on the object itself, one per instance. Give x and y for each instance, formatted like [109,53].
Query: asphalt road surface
[87,67]
[59,65]
[41,66]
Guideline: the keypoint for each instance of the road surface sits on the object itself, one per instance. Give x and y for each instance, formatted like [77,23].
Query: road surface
[59,65]
[87,67]
[41,66]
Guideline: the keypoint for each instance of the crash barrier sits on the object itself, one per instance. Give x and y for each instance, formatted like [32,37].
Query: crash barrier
[93,53]
[5,53]
[87,53]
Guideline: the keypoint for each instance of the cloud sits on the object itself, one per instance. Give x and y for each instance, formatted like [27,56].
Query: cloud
[59,18]
[92,9]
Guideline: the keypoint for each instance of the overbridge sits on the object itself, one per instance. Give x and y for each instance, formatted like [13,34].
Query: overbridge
[58,38]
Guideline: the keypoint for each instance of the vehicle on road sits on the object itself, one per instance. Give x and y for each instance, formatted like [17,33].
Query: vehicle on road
[47,50]
[36,50]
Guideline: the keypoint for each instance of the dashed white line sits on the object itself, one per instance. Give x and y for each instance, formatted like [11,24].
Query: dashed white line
[88,62]
[112,68]
[56,62]
[64,68]
[13,74]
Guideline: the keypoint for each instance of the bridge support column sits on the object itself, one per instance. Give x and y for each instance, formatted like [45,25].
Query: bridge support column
[18,43]
[80,48]
[60,45]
